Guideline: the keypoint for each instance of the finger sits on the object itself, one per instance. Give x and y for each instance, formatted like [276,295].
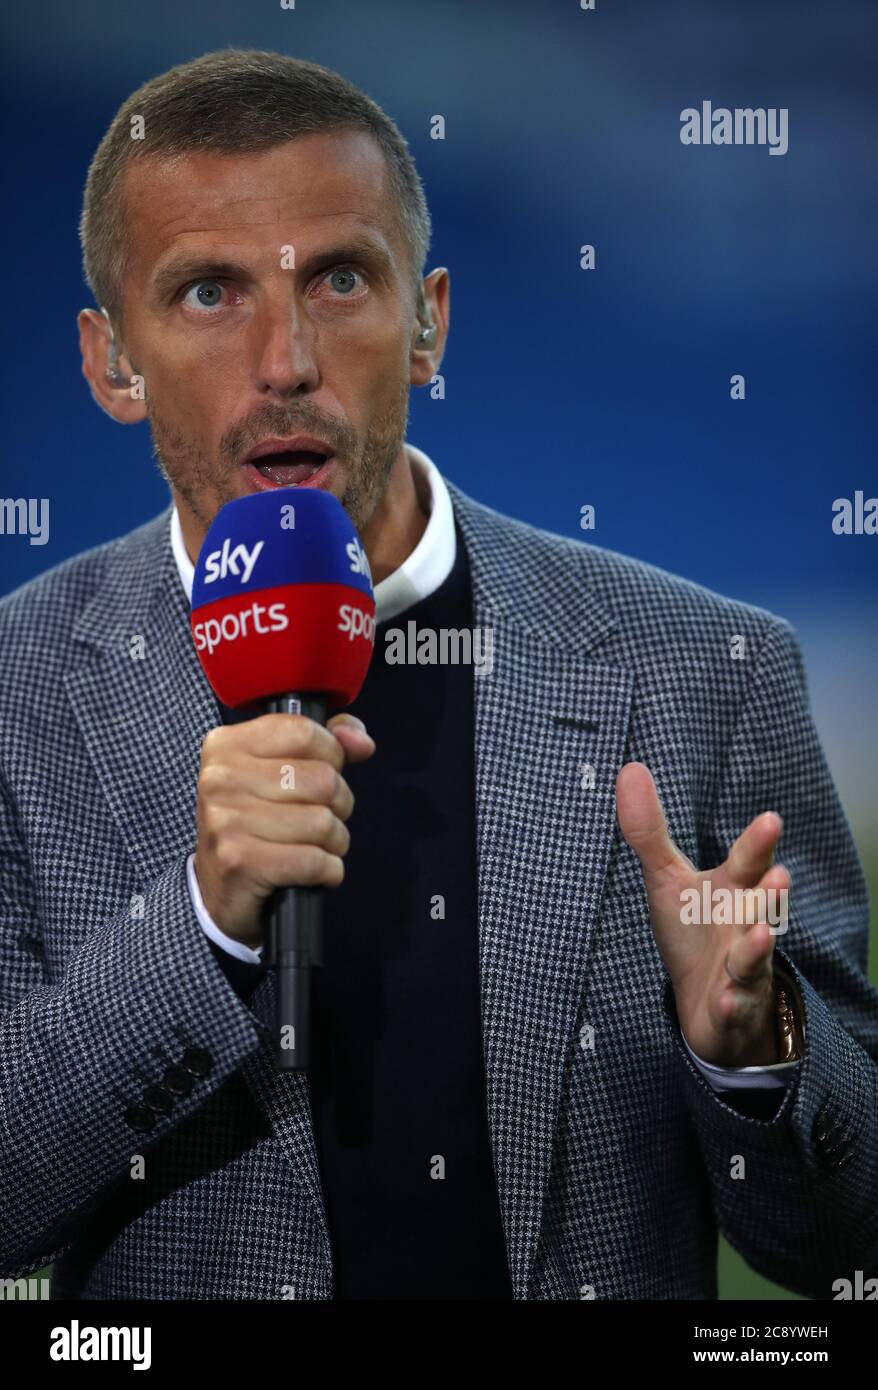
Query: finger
[276,780]
[762,902]
[762,913]
[296,824]
[281,865]
[346,718]
[276,736]
[749,959]
[769,900]
[351,733]
[745,1010]
[642,821]
[753,851]
[776,879]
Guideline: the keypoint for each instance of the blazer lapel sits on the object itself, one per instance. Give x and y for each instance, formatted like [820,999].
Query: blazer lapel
[143,704]
[550,731]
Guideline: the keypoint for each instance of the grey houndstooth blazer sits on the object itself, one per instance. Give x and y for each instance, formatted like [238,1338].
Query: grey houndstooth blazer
[614,1159]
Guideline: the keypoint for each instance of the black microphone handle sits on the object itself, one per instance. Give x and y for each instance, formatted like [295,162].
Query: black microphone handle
[294,934]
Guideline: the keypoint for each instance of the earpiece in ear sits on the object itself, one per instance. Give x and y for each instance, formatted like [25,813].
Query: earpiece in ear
[114,376]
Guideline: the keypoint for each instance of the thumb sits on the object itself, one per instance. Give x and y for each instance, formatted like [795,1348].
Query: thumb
[353,737]
[642,821]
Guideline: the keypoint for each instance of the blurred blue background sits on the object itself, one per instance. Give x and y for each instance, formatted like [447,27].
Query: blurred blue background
[564,387]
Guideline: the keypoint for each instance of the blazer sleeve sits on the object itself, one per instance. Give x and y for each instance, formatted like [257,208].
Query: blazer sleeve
[101,1059]
[796,1192]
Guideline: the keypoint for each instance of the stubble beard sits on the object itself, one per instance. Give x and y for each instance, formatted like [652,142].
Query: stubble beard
[206,484]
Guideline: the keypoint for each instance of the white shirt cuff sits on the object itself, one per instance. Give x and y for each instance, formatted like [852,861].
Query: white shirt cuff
[774,1077]
[209,926]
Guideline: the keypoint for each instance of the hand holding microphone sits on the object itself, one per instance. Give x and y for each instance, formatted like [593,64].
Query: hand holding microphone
[259,829]
[283,620]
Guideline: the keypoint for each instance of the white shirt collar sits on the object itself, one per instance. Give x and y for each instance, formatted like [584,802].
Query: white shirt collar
[428,566]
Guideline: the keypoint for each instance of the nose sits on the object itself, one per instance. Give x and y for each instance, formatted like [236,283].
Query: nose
[286,355]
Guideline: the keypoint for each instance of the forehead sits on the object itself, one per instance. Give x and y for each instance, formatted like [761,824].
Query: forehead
[307,186]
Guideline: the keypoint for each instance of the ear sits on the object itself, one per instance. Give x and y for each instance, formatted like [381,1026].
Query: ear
[426,357]
[115,395]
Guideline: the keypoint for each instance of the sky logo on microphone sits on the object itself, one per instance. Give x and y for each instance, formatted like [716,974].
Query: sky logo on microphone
[358,558]
[225,561]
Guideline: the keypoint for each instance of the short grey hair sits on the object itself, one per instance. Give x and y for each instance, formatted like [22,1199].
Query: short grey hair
[236,101]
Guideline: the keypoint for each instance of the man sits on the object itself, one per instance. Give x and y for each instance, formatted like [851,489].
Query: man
[538,1073]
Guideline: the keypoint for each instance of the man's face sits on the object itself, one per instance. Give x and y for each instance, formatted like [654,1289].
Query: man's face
[268,296]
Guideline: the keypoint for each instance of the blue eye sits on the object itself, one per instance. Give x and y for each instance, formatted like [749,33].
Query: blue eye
[343,275]
[208,295]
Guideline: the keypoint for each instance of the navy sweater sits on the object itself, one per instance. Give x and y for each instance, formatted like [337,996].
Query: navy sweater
[397,1078]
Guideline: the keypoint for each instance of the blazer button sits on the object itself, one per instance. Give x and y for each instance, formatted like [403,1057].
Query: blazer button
[138,1117]
[159,1099]
[178,1081]
[197,1061]
[822,1127]
[838,1155]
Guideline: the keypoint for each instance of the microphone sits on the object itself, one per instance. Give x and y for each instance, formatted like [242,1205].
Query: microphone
[283,620]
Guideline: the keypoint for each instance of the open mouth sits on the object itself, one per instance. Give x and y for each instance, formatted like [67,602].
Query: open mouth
[288,462]
[290,466]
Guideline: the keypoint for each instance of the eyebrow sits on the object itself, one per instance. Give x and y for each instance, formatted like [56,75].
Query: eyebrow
[189,267]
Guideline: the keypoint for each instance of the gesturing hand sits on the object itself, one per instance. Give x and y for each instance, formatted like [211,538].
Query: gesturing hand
[721,974]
